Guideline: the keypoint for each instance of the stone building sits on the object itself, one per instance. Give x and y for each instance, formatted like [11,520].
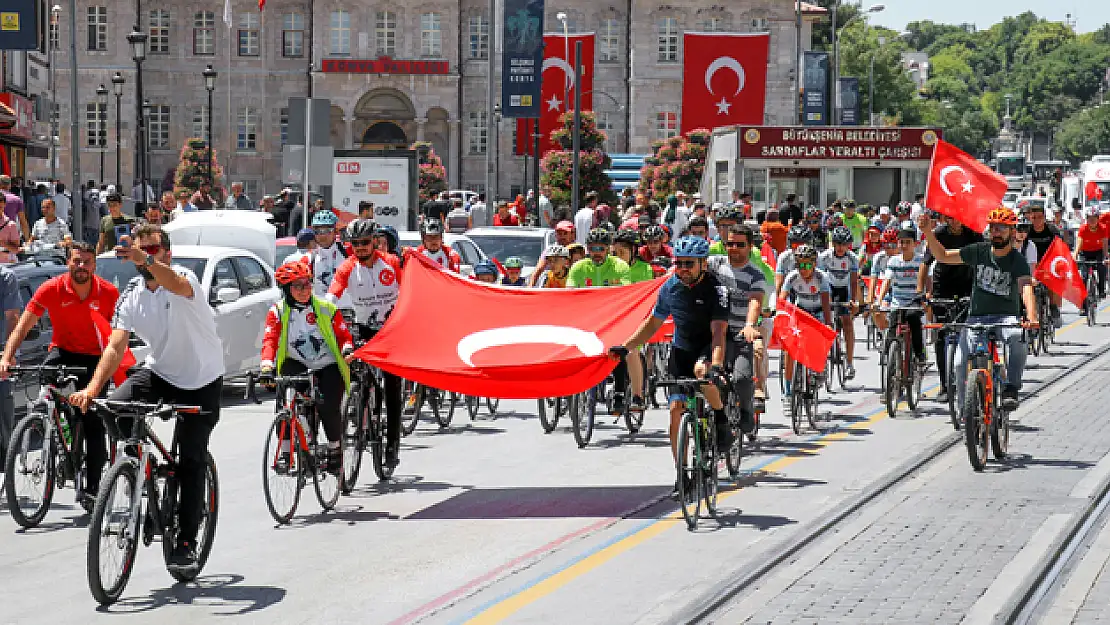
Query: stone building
[433,88]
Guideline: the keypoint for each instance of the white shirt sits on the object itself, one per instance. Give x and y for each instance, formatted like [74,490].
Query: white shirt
[62,206]
[583,222]
[681,216]
[52,232]
[325,260]
[185,348]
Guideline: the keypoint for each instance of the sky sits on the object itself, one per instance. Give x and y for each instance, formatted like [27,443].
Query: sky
[1088,14]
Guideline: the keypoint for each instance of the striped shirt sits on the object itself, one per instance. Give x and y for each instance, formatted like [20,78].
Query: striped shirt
[785,263]
[806,294]
[902,274]
[838,268]
[742,283]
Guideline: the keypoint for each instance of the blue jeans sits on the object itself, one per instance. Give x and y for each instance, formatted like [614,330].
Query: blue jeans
[1015,352]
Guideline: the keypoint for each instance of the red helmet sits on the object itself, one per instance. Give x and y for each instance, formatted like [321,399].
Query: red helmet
[292,271]
[890,237]
[1003,216]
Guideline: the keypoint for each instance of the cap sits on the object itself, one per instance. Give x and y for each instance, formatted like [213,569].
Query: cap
[565,226]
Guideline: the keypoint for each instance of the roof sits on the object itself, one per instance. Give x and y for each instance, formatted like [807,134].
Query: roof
[197,251]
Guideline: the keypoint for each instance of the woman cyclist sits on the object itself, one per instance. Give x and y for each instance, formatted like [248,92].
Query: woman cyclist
[306,333]
[807,288]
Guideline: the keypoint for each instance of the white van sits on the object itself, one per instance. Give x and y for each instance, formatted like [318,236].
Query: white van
[245,230]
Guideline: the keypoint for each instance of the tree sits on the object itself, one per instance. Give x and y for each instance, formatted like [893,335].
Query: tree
[1084,134]
[433,176]
[557,166]
[193,168]
[675,164]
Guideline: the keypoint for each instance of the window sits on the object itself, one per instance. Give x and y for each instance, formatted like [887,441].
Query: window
[159,124]
[248,34]
[479,37]
[223,277]
[250,189]
[666,124]
[667,30]
[96,124]
[340,33]
[283,116]
[98,28]
[431,36]
[200,123]
[292,35]
[477,132]
[716,24]
[204,32]
[515,190]
[247,129]
[385,33]
[254,277]
[605,124]
[159,29]
[609,40]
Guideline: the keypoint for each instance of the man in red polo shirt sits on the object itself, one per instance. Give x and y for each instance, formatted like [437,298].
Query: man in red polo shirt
[79,304]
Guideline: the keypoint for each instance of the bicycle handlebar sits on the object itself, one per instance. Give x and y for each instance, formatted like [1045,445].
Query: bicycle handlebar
[146,409]
[253,378]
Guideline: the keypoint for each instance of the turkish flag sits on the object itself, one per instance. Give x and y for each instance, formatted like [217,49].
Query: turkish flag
[768,254]
[661,335]
[725,79]
[504,342]
[1059,272]
[962,187]
[801,335]
[1093,191]
[557,88]
[103,332]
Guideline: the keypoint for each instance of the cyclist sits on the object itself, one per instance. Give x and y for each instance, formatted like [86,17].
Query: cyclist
[385,238]
[306,333]
[329,252]
[1041,234]
[655,249]
[78,303]
[855,222]
[948,282]
[728,217]
[807,288]
[372,279]
[558,259]
[878,263]
[599,268]
[698,226]
[818,236]
[165,306]
[747,287]
[513,267]
[1022,243]
[485,271]
[798,236]
[432,246]
[841,266]
[1002,284]
[1092,246]
[698,303]
[625,245]
[899,288]
[577,252]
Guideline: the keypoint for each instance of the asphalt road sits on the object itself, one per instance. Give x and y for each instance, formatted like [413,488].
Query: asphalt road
[491,520]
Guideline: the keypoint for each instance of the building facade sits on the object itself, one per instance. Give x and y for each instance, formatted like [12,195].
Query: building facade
[423,76]
[25,105]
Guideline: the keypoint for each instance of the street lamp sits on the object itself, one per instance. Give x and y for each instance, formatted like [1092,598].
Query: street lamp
[210,84]
[117,87]
[146,148]
[875,8]
[562,17]
[55,11]
[101,121]
[137,39]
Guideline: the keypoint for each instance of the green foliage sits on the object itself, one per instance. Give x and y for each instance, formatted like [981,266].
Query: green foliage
[556,166]
[193,168]
[1083,134]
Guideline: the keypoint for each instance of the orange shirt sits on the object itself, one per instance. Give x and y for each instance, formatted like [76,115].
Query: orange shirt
[775,233]
[1091,240]
[72,318]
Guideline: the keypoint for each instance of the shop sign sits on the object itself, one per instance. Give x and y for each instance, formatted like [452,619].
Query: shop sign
[384,65]
[24,126]
[837,143]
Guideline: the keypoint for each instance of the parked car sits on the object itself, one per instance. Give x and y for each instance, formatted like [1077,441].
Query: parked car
[524,242]
[31,275]
[470,253]
[238,285]
[249,230]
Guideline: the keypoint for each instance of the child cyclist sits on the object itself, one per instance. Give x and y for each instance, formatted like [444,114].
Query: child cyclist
[306,333]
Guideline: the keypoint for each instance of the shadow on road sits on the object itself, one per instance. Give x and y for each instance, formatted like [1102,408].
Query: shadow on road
[542,502]
[351,515]
[1024,461]
[224,593]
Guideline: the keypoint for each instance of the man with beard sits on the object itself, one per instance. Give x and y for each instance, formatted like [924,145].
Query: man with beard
[79,303]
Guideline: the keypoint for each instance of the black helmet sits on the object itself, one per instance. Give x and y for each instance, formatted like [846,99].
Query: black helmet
[359,229]
[840,234]
[729,213]
[599,235]
[628,237]
[805,251]
[813,213]
[432,227]
[654,233]
[798,234]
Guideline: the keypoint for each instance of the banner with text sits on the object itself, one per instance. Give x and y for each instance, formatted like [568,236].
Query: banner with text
[815,104]
[523,58]
[849,101]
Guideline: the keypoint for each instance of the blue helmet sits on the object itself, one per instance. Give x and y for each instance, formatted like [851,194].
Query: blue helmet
[324,218]
[305,236]
[691,247]
[486,268]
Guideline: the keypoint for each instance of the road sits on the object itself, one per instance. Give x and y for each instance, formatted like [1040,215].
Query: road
[491,520]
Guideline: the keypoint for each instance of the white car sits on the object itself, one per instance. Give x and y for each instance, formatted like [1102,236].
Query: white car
[238,285]
[469,252]
[524,242]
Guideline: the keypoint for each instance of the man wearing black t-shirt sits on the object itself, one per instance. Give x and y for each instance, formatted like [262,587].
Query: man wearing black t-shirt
[791,213]
[1041,235]
[949,282]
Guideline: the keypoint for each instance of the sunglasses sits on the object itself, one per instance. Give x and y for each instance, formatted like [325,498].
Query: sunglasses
[323,230]
[739,244]
[805,265]
[300,284]
[685,264]
[151,249]
[362,242]
[598,248]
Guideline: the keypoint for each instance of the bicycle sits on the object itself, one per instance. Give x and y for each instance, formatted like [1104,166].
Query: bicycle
[46,448]
[697,465]
[441,403]
[837,358]
[804,397]
[474,404]
[148,486]
[1036,338]
[583,411]
[363,424]
[983,415]
[955,311]
[904,372]
[1089,269]
[292,451]
[658,357]
[549,411]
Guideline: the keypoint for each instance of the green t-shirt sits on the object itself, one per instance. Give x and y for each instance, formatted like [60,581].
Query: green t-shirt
[639,271]
[995,291]
[857,224]
[612,272]
[717,249]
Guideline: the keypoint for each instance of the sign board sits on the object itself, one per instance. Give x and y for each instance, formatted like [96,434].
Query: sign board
[522,61]
[321,121]
[24,110]
[292,165]
[837,143]
[19,25]
[848,96]
[388,178]
[384,65]
[815,101]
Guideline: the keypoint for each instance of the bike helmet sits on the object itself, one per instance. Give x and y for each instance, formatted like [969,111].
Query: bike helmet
[393,241]
[691,247]
[890,236]
[849,203]
[485,268]
[1002,216]
[305,236]
[813,213]
[840,234]
[431,227]
[556,251]
[654,233]
[798,234]
[833,222]
[359,229]
[628,237]
[324,218]
[906,230]
[805,251]
[513,262]
[599,235]
[292,271]
[729,213]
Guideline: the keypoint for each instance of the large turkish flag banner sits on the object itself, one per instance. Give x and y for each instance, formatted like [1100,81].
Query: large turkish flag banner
[557,88]
[460,335]
[724,79]
[962,187]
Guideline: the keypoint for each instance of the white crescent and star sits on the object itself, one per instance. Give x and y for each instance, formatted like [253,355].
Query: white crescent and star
[1052,268]
[568,75]
[724,62]
[966,187]
[587,342]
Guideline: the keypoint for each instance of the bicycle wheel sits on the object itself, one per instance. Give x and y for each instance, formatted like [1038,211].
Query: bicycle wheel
[110,554]
[1047,325]
[583,415]
[782,376]
[472,405]
[841,364]
[975,431]
[710,469]
[797,398]
[893,386]
[1000,433]
[354,413]
[1092,297]
[282,484]
[326,483]
[416,395]
[30,470]
[544,407]
[446,412]
[830,364]
[689,472]
[735,453]
[882,369]
[492,404]
[377,435]
[206,531]
[913,384]
[812,389]
[634,419]
[950,383]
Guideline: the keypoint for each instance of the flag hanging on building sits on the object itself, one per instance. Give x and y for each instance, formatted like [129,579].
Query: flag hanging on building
[557,87]
[725,79]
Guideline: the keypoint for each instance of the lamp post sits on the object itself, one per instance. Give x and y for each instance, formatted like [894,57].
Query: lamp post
[576,144]
[55,11]
[210,85]
[562,17]
[101,121]
[137,39]
[875,8]
[117,87]
[146,149]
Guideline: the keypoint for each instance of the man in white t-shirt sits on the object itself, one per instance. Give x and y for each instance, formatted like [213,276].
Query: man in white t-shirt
[167,308]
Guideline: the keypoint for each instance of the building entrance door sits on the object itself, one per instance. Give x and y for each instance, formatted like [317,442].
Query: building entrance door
[877,186]
[805,183]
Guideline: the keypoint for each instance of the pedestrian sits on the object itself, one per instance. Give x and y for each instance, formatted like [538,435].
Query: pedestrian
[238,200]
[504,216]
[49,229]
[137,192]
[365,209]
[546,208]
[203,199]
[584,221]
[62,204]
[152,215]
[33,204]
[12,305]
[436,208]
[479,212]
[9,236]
[13,207]
[790,213]
[109,236]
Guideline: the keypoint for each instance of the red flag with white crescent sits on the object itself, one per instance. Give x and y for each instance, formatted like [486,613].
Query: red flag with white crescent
[962,187]
[725,79]
[505,342]
[1058,271]
[801,335]
[557,88]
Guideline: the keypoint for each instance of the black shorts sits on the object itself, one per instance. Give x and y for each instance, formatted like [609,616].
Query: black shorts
[840,294]
[682,365]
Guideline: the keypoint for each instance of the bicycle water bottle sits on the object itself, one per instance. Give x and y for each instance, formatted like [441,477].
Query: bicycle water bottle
[67,436]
